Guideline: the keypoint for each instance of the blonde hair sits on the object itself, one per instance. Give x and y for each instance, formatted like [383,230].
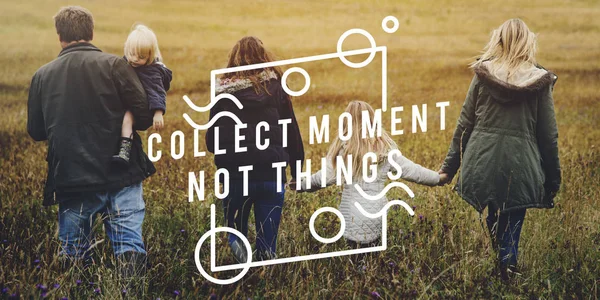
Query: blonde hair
[356,145]
[142,43]
[510,46]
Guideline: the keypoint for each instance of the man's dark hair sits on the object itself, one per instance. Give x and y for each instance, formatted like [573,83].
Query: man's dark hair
[74,23]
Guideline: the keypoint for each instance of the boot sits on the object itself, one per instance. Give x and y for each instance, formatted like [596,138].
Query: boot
[265,255]
[504,273]
[508,272]
[239,251]
[132,269]
[122,158]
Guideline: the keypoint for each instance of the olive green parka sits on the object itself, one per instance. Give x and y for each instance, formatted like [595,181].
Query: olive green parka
[506,143]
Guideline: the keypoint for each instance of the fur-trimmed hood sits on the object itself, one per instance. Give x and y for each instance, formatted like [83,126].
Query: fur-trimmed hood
[230,86]
[526,80]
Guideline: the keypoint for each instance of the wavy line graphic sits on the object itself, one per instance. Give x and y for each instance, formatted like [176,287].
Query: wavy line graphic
[384,209]
[212,121]
[212,102]
[384,191]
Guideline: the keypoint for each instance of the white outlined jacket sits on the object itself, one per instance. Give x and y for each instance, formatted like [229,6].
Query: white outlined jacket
[360,228]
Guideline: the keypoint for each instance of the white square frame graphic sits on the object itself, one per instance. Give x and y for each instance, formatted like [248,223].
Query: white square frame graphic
[372,51]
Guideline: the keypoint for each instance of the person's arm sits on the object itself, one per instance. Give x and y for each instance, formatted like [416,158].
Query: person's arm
[463,130]
[36,126]
[157,94]
[167,76]
[157,99]
[132,94]
[547,138]
[414,172]
[210,133]
[295,147]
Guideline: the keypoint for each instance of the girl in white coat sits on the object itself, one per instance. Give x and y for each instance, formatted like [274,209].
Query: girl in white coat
[360,229]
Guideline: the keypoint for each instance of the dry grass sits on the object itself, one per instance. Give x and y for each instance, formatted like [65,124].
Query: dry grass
[445,255]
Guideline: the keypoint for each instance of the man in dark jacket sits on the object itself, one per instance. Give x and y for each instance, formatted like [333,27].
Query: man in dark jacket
[77,103]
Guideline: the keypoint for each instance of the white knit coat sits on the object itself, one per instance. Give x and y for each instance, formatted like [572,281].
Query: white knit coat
[360,228]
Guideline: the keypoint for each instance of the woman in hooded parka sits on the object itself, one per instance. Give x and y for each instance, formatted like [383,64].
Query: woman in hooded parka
[506,138]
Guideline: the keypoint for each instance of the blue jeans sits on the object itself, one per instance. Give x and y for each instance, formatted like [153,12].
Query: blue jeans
[122,213]
[505,229]
[267,212]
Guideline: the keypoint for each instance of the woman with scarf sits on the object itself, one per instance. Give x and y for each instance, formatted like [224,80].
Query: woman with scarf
[266,113]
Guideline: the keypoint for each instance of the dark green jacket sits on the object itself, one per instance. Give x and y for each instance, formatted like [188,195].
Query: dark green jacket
[77,103]
[506,144]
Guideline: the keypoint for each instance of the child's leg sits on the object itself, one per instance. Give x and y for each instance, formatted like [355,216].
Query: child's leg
[357,245]
[125,142]
[360,260]
[127,128]
[352,244]
[357,260]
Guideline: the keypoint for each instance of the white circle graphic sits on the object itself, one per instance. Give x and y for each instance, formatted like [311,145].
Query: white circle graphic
[246,265]
[363,33]
[311,225]
[386,20]
[306,81]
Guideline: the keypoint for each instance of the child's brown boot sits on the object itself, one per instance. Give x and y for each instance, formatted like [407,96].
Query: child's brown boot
[122,158]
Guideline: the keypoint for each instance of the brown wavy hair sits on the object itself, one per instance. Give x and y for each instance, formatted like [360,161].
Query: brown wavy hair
[74,23]
[248,51]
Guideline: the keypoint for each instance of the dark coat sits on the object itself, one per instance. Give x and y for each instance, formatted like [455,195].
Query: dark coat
[506,144]
[77,103]
[156,79]
[258,106]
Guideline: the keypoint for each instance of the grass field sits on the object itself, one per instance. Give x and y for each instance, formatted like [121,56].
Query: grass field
[445,253]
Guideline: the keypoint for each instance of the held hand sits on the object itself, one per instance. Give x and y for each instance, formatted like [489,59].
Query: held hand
[444,179]
[292,185]
[158,122]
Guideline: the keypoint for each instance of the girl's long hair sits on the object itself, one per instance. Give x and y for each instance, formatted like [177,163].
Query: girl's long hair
[510,46]
[357,146]
[248,51]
